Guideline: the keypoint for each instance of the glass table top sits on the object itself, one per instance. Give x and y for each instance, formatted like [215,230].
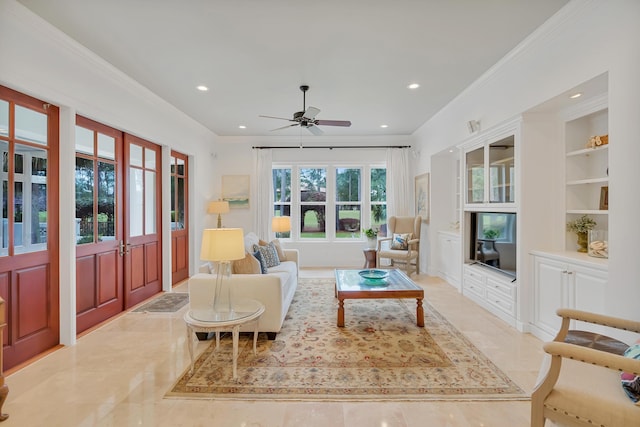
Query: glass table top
[352,280]
[241,308]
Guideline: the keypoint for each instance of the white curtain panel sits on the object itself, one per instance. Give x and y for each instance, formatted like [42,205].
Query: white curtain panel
[263,194]
[399,186]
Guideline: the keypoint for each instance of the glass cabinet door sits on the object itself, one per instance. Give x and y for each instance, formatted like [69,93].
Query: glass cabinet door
[502,171]
[475,175]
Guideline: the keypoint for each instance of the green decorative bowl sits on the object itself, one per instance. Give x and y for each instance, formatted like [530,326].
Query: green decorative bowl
[374,277]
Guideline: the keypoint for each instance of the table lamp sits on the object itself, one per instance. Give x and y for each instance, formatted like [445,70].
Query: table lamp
[222,245]
[281,224]
[218,207]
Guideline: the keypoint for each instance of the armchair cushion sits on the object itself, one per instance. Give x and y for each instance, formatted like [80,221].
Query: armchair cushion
[631,382]
[400,241]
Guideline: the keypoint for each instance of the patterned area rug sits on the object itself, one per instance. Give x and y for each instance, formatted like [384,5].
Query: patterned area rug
[165,303]
[379,354]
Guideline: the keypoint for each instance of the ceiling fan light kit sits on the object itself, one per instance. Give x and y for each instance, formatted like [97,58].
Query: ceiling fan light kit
[307,117]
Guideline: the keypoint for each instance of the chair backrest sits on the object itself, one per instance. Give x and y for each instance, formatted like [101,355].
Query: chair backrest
[405,224]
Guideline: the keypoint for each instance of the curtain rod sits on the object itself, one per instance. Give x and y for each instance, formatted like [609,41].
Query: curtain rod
[330,147]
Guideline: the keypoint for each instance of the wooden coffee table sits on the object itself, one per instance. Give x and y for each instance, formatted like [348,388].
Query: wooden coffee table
[349,285]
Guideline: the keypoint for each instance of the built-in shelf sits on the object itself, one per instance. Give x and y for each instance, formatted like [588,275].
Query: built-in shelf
[587,212]
[589,181]
[587,151]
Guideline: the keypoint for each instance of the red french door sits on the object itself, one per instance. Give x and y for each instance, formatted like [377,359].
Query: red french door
[29,259]
[179,218]
[142,228]
[117,222]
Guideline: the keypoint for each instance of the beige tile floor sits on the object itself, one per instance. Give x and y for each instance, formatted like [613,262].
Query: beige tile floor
[117,376]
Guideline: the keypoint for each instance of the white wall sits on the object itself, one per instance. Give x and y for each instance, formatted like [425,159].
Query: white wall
[585,39]
[41,61]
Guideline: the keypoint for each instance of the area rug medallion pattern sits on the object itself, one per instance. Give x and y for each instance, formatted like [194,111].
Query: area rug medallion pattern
[379,354]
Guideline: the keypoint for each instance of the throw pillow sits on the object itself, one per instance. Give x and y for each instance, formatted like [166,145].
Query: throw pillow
[631,382]
[400,241]
[279,250]
[269,254]
[247,265]
[263,266]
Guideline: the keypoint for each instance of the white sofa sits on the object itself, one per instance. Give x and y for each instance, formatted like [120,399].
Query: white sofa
[275,290]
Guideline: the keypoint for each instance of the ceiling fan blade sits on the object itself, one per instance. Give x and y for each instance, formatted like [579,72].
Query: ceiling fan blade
[287,126]
[345,123]
[311,113]
[279,118]
[315,130]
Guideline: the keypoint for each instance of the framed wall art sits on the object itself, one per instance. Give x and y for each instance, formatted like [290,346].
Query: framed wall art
[235,190]
[422,196]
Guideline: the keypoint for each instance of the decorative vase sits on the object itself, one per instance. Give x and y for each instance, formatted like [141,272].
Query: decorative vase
[372,242]
[598,244]
[582,241]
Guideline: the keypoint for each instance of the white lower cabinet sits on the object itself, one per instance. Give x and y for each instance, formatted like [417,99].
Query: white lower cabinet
[494,291]
[449,261]
[566,282]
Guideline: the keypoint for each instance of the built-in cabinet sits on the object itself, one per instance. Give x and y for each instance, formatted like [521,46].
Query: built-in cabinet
[492,290]
[490,172]
[565,280]
[449,257]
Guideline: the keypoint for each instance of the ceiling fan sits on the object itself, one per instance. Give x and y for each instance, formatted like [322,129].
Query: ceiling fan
[307,117]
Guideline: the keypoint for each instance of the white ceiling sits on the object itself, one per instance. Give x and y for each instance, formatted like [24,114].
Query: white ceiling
[358,56]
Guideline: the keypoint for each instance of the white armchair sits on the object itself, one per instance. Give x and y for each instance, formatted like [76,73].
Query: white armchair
[408,258]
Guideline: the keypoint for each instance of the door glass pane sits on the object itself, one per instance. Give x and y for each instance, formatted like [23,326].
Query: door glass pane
[181,202]
[4,158]
[18,229]
[150,202]
[31,125]
[84,140]
[180,163]
[149,158]
[135,155]
[84,200]
[4,118]
[475,175]
[106,201]
[136,200]
[173,164]
[106,146]
[38,206]
[5,217]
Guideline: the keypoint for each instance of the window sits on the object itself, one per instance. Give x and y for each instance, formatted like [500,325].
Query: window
[282,195]
[330,202]
[178,191]
[313,202]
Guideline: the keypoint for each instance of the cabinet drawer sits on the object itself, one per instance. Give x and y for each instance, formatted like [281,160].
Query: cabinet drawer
[473,286]
[500,301]
[508,290]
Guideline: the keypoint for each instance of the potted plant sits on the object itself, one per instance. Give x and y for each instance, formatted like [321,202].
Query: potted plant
[581,227]
[372,235]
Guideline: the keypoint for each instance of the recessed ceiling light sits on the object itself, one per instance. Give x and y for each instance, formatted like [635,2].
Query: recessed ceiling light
[576,95]
[202,88]
[242,127]
[413,86]
[384,126]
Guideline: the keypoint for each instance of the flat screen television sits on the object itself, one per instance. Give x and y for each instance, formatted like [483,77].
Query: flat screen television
[493,240]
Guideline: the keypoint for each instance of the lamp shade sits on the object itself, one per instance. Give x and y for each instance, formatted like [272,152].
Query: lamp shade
[281,224]
[218,207]
[222,244]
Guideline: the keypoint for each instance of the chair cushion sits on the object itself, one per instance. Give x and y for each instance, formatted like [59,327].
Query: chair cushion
[269,254]
[400,241]
[631,382]
[247,265]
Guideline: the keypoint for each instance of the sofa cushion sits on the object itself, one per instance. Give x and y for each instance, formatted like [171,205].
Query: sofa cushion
[260,258]
[247,265]
[269,254]
[631,382]
[400,241]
